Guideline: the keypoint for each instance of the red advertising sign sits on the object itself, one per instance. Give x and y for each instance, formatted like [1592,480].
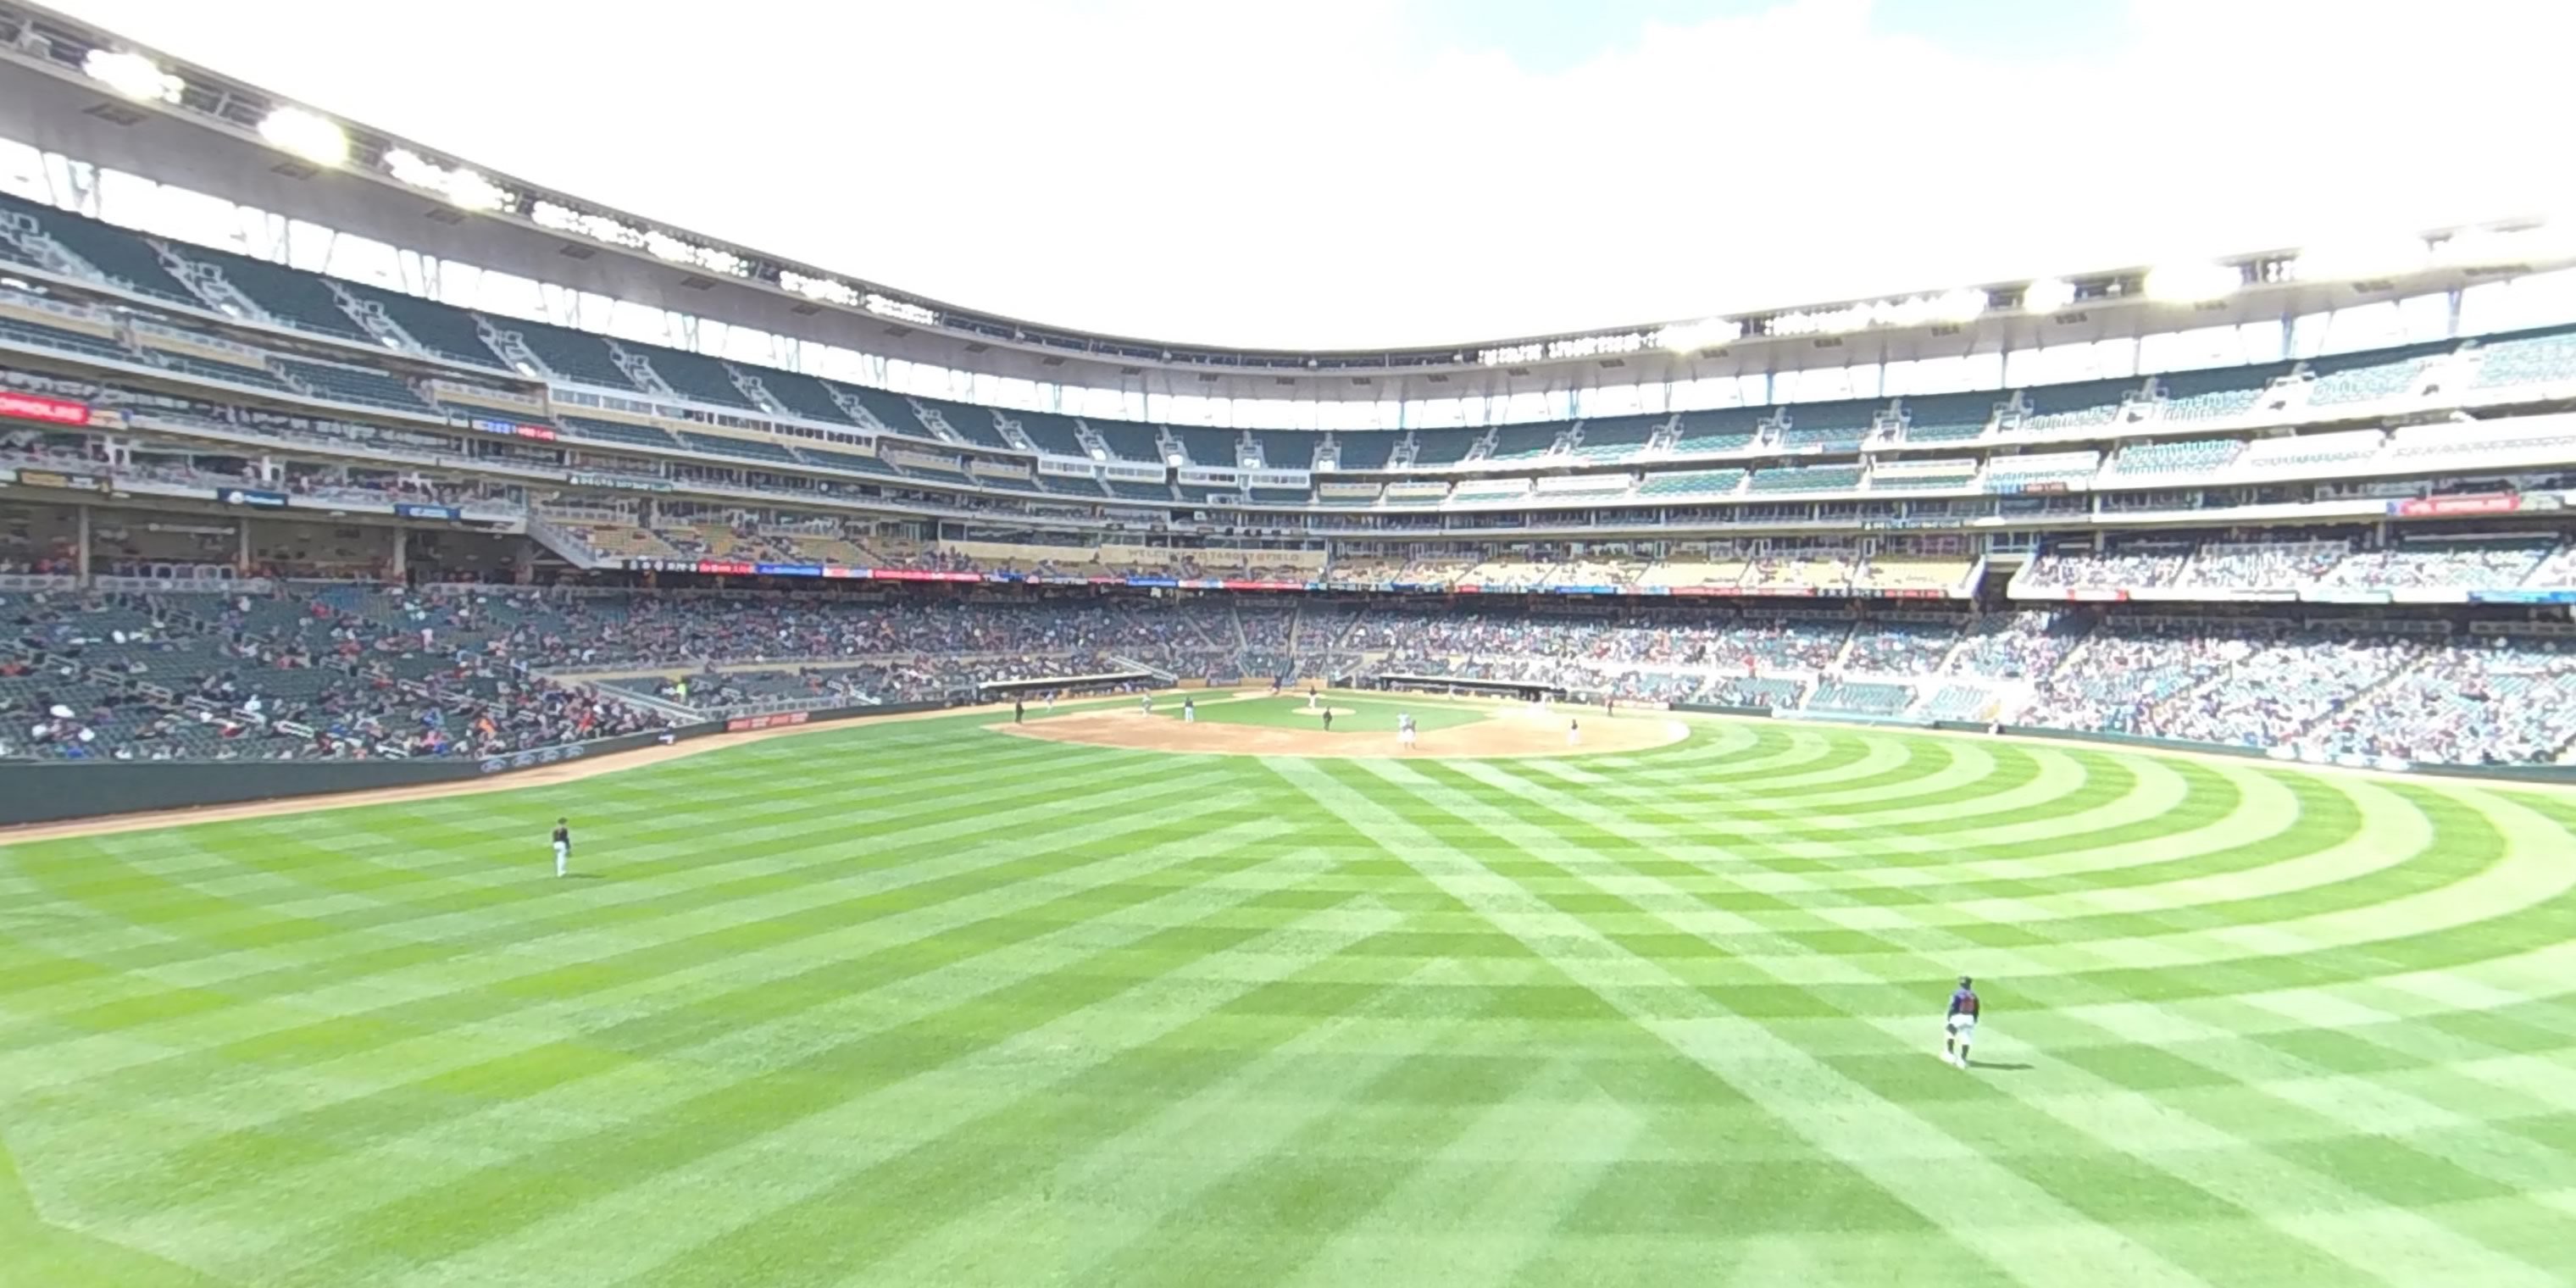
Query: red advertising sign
[774,720]
[53,411]
[2468,503]
[724,568]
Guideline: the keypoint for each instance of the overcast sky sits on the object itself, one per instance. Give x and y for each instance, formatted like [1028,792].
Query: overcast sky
[1334,173]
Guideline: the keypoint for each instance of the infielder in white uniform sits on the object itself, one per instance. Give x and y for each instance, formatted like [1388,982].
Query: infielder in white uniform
[1574,733]
[1189,711]
[1404,728]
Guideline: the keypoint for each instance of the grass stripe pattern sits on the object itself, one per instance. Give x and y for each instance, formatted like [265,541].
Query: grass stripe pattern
[916,1003]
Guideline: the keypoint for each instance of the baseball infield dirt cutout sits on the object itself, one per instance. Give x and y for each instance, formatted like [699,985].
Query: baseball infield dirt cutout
[1506,732]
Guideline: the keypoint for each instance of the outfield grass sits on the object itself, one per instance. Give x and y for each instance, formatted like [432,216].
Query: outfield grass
[919,1004]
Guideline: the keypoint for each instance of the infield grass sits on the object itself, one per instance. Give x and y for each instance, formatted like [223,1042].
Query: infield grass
[920,1004]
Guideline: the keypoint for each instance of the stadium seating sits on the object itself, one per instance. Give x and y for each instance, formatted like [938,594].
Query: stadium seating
[752,449]
[1216,448]
[353,385]
[2540,358]
[1365,449]
[2051,408]
[1895,474]
[298,300]
[698,378]
[804,396]
[1490,490]
[1610,438]
[122,258]
[1730,429]
[445,332]
[1062,485]
[2182,456]
[573,355]
[2309,452]
[2216,394]
[1805,478]
[1277,496]
[616,431]
[1128,441]
[1947,418]
[1129,490]
[2347,379]
[1524,442]
[1049,433]
[2439,563]
[892,410]
[972,423]
[230,373]
[852,461]
[2471,439]
[1829,426]
[1900,648]
[1443,446]
[1691,483]
[1287,449]
[40,336]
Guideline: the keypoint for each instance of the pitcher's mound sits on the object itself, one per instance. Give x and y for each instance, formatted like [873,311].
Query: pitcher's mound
[1503,736]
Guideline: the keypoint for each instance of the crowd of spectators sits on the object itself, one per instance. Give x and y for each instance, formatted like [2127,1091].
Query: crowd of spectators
[346,670]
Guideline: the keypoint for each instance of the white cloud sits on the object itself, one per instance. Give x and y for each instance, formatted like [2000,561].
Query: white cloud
[1324,175]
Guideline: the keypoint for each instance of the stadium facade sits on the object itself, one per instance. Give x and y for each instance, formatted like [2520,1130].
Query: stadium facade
[2303,501]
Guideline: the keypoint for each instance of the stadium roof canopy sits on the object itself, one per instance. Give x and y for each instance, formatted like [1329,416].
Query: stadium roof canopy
[71,88]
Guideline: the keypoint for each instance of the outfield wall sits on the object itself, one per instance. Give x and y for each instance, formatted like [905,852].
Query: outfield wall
[51,792]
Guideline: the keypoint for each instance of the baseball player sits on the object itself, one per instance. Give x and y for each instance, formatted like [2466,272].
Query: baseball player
[1960,1027]
[1328,719]
[1145,705]
[1404,728]
[563,847]
[1189,711]
[1574,733]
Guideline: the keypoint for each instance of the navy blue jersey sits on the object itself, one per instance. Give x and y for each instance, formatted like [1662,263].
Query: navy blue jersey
[1964,1002]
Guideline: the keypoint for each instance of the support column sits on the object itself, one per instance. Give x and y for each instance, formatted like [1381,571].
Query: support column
[241,553]
[402,555]
[80,549]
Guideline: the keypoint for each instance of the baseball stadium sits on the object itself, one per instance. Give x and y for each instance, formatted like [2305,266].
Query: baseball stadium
[539,747]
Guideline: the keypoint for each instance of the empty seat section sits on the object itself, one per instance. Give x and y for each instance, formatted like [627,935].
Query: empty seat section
[298,300]
[1691,483]
[352,384]
[747,448]
[2092,402]
[1523,442]
[573,355]
[2546,358]
[1283,449]
[1611,438]
[616,431]
[1831,427]
[208,369]
[853,461]
[892,410]
[1278,496]
[1050,432]
[118,255]
[2190,456]
[1065,486]
[1810,478]
[38,335]
[2368,377]
[697,377]
[1727,429]
[803,395]
[1443,446]
[1948,418]
[1366,449]
[1210,447]
[447,332]
[2210,395]
[2016,473]
[1903,476]
[972,423]
[1128,440]
[2310,451]
[1135,491]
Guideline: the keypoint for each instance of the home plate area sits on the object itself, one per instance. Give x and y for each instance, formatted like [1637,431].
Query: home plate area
[1263,724]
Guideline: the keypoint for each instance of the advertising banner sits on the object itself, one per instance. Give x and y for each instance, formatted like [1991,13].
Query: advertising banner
[774,720]
[251,497]
[410,511]
[52,411]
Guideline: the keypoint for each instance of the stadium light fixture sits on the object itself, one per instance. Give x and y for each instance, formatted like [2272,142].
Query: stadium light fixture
[465,189]
[133,75]
[2193,283]
[2047,295]
[301,133]
[900,310]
